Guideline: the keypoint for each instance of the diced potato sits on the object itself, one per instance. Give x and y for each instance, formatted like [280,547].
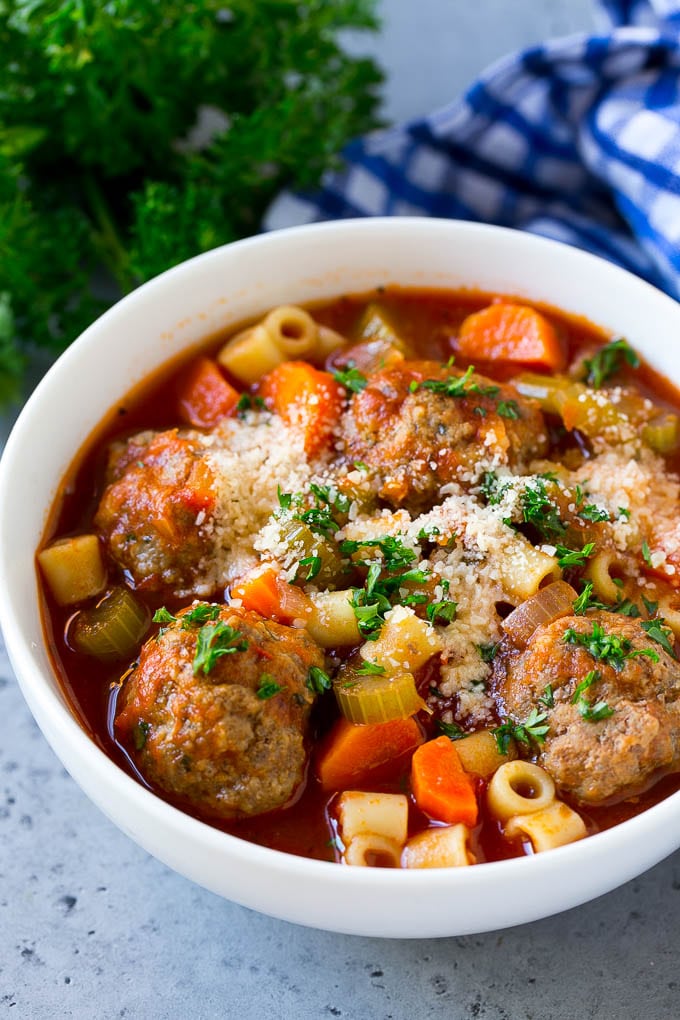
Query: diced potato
[383,814]
[445,847]
[332,623]
[73,568]
[478,753]
[405,642]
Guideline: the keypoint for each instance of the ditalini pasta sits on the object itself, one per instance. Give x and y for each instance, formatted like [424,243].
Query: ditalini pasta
[383,581]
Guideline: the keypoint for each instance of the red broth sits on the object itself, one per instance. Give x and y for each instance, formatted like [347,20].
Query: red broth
[429,321]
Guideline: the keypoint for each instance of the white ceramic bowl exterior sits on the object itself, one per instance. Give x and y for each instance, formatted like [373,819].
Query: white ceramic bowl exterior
[174,312]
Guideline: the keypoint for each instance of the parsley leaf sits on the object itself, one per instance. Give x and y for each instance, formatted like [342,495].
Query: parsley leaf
[574,557]
[539,510]
[611,649]
[509,409]
[318,680]
[368,668]
[609,360]
[444,611]
[214,640]
[533,730]
[267,687]
[351,378]
[455,386]
[659,632]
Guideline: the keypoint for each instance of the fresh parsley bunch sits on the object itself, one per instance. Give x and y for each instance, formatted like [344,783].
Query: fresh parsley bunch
[99,104]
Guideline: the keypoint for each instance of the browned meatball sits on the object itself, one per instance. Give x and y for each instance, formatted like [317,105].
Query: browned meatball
[418,437]
[155,514]
[218,716]
[607,738]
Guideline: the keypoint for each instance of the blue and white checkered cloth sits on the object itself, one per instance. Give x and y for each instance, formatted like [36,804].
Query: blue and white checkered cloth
[577,139]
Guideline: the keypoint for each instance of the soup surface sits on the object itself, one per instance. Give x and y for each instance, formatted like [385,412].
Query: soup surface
[392,581]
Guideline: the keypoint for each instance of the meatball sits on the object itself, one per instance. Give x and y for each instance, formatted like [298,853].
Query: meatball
[419,433]
[218,716]
[155,513]
[607,736]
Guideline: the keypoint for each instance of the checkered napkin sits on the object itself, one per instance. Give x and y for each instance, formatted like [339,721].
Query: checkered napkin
[577,139]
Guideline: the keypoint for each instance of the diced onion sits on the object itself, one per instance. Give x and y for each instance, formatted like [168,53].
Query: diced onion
[548,604]
[111,630]
[376,698]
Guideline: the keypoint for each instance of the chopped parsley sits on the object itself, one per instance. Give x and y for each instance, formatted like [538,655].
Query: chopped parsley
[533,730]
[574,557]
[548,697]
[246,402]
[658,631]
[492,488]
[351,378]
[395,554]
[368,668]
[646,554]
[488,652]
[450,730]
[608,361]
[140,732]
[539,510]
[216,639]
[268,687]
[318,680]
[455,386]
[612,649]
[199,614]
[509,409]
[584,602]
[442,612]
[591,713]
[593,513]
[313,564]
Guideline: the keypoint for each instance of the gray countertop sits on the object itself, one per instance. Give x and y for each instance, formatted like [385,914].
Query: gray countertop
[91,926]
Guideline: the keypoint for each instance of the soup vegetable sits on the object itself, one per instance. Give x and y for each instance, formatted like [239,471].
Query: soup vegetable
[392,581]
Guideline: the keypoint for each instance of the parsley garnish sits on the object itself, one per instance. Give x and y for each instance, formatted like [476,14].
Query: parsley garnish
[368,668]
[591,713]
[318,681]
[246,402]
[548,697]
[444,611]
[492,488]
[608,360]
[646,554]
[395,554]
[450,730]
[216,639]
[584,602]
[351,378]
[533,730]
[539,511]
[509,409]
[140,732]
[659,632]
[268,687]
[455,386]
[611,649]
[487,652]
[163,615]
[574,557]
[313,563]
[593,513]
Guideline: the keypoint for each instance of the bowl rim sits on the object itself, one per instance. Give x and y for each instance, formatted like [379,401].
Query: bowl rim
[60,726]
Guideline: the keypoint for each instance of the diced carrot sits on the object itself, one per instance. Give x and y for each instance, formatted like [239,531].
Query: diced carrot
[515,333]
[265,591]
[205,396]
[307,398]
[441,787]
[350,752]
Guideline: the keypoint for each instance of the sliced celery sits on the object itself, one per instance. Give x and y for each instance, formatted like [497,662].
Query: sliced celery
[113,629]
[376,698]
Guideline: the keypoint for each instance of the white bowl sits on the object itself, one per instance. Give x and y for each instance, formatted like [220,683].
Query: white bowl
[174,312]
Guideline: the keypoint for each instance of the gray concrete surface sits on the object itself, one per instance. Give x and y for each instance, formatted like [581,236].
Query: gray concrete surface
[92,927]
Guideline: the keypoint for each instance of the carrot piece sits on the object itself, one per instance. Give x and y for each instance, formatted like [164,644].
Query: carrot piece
[441,787]
[205,396]
[515,333]
[307,398]
[350,751]
[264,590]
